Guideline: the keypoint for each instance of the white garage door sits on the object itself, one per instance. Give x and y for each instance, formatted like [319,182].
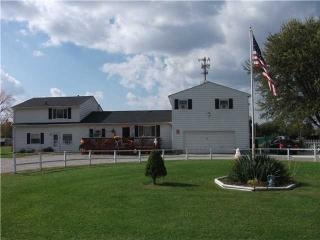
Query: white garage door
[202,141]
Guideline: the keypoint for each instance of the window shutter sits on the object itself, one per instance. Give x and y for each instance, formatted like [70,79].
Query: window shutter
[189,103]
[176,104]
[90,132]
[153,130]
[42,138]
[28,138]
[69,113]
[230,103]
[158,131]
[136,131]
[103,132]
[50,113]
[217,103]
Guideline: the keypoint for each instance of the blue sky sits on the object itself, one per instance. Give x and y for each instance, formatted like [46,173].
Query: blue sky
[131,55]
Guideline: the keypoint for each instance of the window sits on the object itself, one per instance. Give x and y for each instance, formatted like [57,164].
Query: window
[59,113]
[183,104]
[67,139]
[147,131]
[97,133]
[224,103]
[35,138]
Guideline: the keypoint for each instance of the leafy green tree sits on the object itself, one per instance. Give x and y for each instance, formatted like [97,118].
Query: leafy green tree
[155,167]
[294,64]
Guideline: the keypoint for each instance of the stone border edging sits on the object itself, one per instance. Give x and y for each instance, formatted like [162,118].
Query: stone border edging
[250,189]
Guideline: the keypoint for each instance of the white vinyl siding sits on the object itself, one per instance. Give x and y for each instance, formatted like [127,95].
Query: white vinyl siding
[206,118]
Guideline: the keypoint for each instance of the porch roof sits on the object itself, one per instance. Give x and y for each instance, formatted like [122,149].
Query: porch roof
[152,116]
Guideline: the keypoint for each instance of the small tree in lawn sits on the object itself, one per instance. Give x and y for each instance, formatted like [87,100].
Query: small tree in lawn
[155,166]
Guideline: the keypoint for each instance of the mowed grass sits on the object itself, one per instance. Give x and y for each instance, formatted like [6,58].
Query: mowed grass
[6,151]
[119,202]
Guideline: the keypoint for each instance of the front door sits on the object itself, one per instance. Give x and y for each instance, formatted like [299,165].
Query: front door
[56,142]
[126,132]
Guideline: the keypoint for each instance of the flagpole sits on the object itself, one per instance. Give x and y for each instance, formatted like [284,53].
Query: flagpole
[253,135]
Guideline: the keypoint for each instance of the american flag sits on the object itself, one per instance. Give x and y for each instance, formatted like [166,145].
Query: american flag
[258,61]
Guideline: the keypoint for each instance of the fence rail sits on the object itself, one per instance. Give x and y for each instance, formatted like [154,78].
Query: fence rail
[65,159]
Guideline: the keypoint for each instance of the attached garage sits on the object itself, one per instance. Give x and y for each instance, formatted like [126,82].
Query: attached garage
[202,141]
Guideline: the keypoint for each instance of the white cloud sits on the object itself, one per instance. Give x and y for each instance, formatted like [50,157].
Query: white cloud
[37,53]
[161,41]
[10,84]
[97,94]
[56,92]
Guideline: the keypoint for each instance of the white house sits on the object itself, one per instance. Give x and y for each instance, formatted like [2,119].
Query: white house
[202,117]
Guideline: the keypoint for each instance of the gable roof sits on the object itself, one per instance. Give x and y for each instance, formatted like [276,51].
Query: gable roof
[212,84]
[53,101]
[128,117]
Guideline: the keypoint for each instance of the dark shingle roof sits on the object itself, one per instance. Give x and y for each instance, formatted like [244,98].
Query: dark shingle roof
[128,116]
[53,101]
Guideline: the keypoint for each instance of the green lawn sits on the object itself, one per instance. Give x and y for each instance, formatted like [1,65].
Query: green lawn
[118,202]
[6,152]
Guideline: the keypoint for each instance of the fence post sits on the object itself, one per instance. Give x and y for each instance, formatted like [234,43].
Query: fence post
[14,162]
[210,153]
[260,151]
[187,154]
[90,157]
[65,158]
[288,154]
[162,154]
[315,152]
[40,160]
[139,152]
[115,156]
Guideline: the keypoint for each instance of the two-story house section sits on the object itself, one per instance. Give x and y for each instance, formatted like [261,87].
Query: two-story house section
[210,116]
[51,122]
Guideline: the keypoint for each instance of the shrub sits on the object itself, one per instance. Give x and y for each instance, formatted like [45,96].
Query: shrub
[48,149]
[246,169]
[22,150]
[155,167]
[31,150]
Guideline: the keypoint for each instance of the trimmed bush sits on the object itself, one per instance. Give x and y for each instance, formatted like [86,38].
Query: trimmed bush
[245,169]
[155,167]
[48,149]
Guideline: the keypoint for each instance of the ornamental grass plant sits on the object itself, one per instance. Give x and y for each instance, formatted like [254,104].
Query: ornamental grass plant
[246,169]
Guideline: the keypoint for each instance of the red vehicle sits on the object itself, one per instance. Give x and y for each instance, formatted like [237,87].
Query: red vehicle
[282,143]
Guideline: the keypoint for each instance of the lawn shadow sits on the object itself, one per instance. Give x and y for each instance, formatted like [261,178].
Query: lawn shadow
[176,184]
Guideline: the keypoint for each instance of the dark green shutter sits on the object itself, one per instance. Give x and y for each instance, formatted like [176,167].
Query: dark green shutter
[69,113]
[90,132]
[42,138]
[189,103]
[136,131]
[158,131]
[176,104]
[28,138]
[50,113]
[103,132]
[217,103]
[153,131]
[230,103]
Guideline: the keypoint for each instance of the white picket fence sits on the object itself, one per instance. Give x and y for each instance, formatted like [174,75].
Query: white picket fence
[64,159]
